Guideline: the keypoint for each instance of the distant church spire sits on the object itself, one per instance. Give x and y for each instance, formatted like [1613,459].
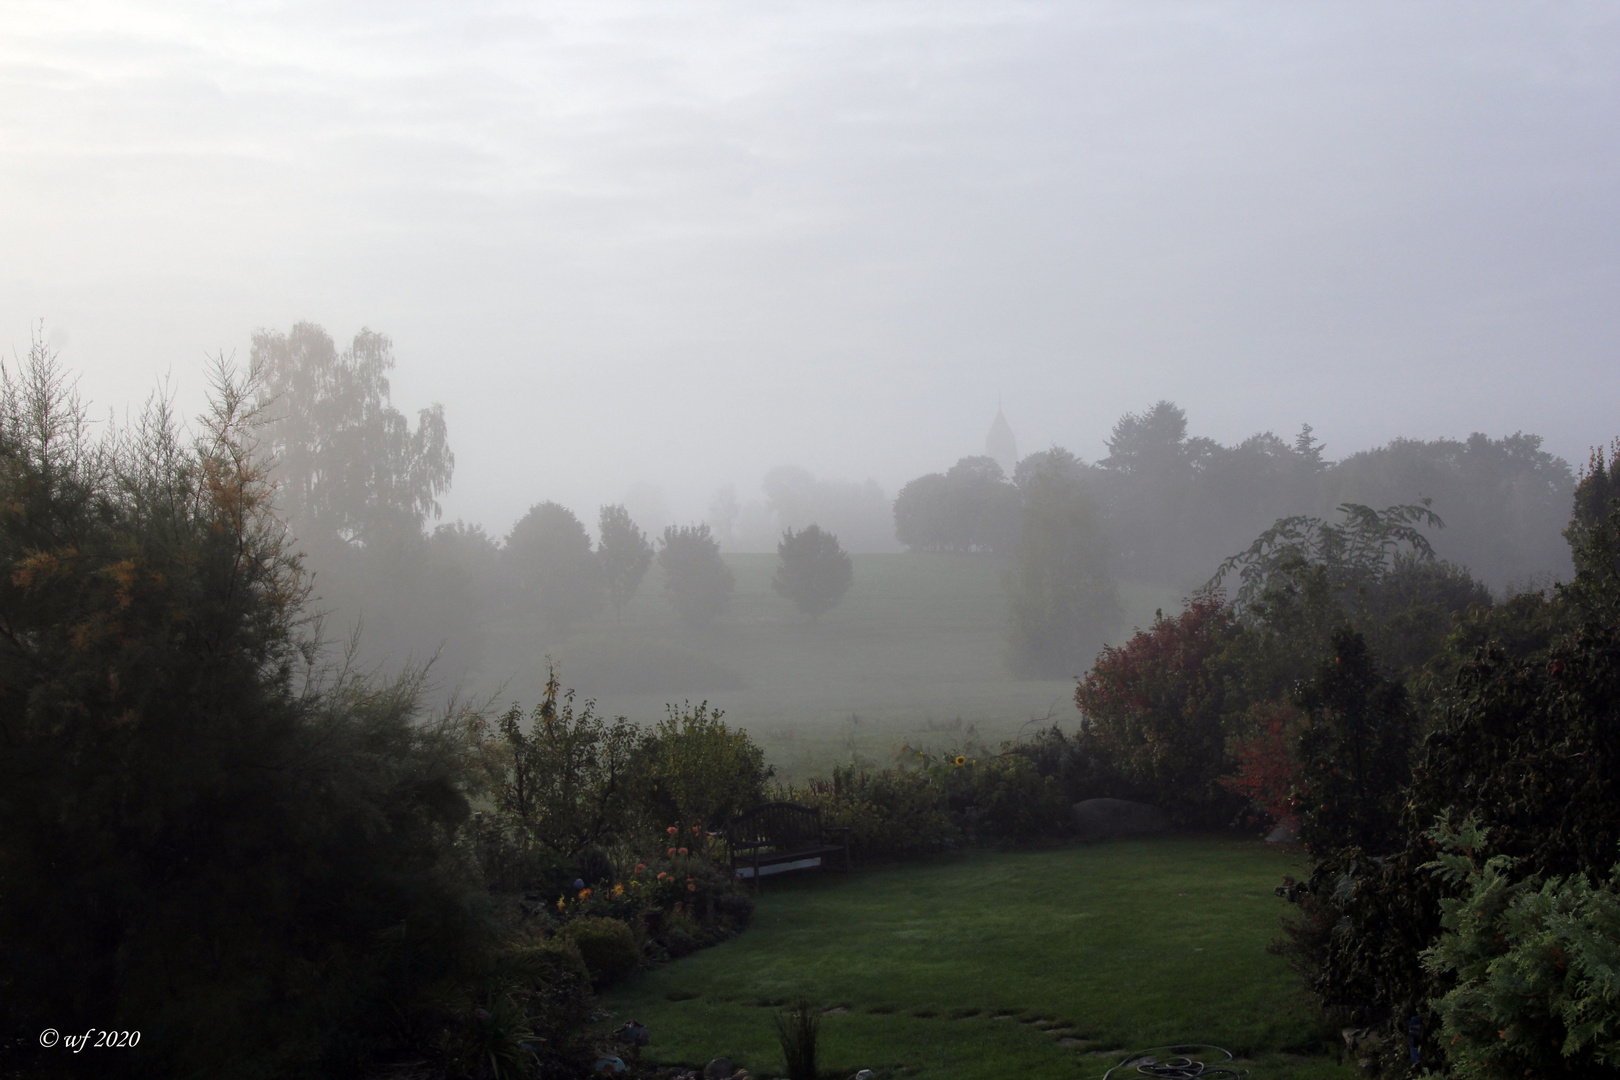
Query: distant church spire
[1000,443]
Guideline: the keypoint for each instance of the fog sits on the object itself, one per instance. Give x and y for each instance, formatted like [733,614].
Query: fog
[642,252]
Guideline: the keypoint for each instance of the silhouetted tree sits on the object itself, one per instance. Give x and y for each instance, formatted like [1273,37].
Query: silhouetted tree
[812,571]
[550,563]
[1063,601]
[970,508]
[1354,752]
[697,579]
[625,554]
[349,464]
[1504,500]
[357,485]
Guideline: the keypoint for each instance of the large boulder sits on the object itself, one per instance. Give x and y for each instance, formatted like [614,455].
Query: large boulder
[1114,819]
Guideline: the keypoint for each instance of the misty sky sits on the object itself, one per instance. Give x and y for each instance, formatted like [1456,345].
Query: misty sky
[680,243]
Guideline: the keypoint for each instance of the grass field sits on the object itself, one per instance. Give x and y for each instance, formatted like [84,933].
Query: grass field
[978,966]
[916,651]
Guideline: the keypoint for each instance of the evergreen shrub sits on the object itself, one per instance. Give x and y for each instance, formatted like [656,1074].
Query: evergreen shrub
[608,947]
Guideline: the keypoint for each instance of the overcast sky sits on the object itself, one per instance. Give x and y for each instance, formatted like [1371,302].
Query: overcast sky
[678,243]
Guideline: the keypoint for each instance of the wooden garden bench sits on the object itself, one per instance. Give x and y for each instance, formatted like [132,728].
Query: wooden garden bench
[778,836]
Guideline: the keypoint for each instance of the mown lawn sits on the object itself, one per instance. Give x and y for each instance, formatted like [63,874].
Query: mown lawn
[979,965]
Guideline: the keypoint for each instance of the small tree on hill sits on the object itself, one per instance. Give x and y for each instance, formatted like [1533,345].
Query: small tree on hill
[699,582]
[549,559]
[814,571]
[625,554]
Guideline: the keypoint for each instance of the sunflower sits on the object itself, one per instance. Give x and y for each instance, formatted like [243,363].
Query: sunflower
[961,759]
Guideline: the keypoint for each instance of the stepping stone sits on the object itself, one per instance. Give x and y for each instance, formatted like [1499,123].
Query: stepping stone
[1073,1043]
[839,1011]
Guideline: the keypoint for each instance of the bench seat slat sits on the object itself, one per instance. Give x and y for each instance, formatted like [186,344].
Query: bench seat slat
[776,833]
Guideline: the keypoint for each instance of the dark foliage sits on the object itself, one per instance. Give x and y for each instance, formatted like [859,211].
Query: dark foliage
[203,840]
[1064,603]
[625,554]
[1353,752]
[1526,748]
[970,508]
[1153,709]
[813,571]
[550,566]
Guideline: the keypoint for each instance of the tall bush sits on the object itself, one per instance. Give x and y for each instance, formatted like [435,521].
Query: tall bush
[1354,752]
[1527,745]
[203,839]
[1153,707]
[568,780]
[701,772]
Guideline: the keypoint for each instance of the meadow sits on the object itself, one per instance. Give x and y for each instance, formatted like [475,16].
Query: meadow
[1044,964]
[914,653]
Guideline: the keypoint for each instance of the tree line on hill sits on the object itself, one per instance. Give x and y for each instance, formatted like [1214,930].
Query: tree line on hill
[358,485]
[1164,507]
[1172,505]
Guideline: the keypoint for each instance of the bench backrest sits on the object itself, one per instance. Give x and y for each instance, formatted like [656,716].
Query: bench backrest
[777,824]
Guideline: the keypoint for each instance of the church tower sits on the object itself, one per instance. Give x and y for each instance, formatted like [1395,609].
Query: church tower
[1001,445]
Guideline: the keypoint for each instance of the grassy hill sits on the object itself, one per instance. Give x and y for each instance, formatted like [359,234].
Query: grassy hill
[915,652]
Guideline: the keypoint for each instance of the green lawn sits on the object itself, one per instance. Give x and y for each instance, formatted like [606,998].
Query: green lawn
[915,652]
[977,966]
